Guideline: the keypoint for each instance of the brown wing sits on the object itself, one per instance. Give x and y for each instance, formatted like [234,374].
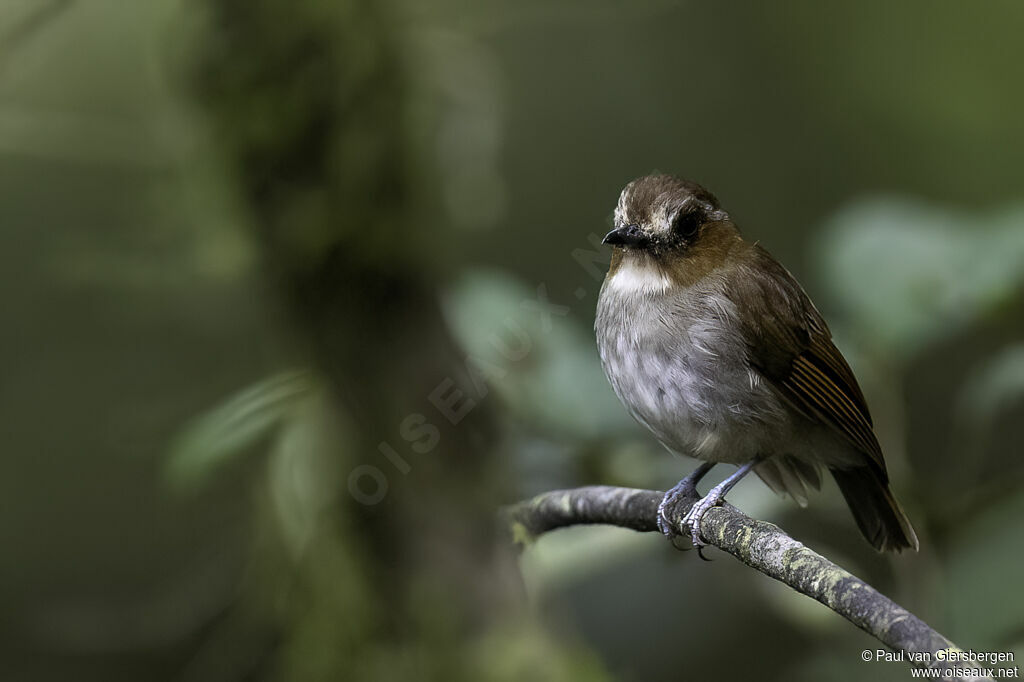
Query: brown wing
[791,346]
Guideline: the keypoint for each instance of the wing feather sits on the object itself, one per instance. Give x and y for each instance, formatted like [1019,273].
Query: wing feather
[791,347]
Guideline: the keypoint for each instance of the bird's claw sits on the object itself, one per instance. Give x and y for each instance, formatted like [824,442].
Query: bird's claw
[667,510]
[692,519]
[664,525]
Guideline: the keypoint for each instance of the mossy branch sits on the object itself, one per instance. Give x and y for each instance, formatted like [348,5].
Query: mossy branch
[760,545]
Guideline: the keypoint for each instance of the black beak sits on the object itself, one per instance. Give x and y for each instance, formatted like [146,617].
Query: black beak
[629,235]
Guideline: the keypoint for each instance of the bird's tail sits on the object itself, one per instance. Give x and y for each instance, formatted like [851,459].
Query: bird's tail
[875,509]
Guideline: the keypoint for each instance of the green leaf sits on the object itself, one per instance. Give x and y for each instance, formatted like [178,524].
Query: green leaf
[225,431]
[908,273]
[558,382]
[302,471]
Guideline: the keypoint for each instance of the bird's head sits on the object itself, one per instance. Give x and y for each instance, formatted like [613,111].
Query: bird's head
[660,214]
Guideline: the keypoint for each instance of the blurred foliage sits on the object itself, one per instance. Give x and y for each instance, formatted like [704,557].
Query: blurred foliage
[907,274]
[494,317]
[198,196]
[240,422]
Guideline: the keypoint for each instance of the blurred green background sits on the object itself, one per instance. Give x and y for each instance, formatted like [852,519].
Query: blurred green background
[242,244]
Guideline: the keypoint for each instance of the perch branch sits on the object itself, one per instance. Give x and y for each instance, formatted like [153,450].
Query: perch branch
[760,545]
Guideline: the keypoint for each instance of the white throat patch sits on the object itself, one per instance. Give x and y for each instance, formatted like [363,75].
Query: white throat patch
[638,277]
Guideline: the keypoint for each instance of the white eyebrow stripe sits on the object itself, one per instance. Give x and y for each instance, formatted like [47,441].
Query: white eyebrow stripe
[620,208]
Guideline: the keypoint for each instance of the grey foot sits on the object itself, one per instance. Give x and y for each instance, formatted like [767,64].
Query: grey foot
[675,499]
[670,505]
[696,514]
[714,497]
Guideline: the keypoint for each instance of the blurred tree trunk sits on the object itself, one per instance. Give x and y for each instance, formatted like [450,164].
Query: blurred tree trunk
[310,103]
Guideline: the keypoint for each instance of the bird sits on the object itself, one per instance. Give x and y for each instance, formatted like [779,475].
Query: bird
[715,348]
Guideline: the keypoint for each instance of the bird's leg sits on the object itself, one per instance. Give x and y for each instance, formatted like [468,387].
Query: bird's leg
[679,492]
[713,498]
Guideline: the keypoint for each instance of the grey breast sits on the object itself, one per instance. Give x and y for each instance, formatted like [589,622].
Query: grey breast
[677,362]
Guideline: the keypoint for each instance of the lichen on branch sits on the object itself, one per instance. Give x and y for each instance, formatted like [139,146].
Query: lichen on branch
[761,545]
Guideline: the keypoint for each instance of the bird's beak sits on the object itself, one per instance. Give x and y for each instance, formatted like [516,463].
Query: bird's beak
[628,235]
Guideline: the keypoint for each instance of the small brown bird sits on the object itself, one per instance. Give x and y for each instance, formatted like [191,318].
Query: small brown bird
[716,349]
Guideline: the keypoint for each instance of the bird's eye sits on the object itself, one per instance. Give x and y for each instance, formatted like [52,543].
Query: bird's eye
[688,222]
